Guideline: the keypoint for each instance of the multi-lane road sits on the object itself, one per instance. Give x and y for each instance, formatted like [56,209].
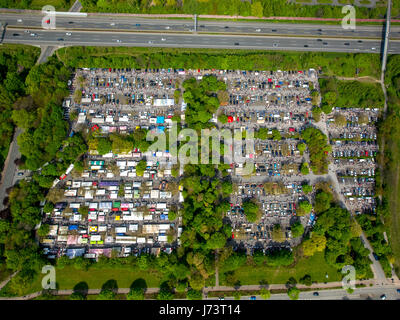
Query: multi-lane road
[107,38]
[132,31]
[171,25]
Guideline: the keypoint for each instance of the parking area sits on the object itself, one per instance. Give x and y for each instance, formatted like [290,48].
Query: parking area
[354,148]
[108,205]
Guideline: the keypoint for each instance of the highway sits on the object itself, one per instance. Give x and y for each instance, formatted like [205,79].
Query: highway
[204,26]
[104,38]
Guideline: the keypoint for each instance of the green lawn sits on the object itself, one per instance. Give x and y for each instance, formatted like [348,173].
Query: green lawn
[315,266]
[68,277]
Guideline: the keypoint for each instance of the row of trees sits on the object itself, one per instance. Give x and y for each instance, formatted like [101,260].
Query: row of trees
[259,8]
[15,64]
[318,147]
[350,94]
[340,64]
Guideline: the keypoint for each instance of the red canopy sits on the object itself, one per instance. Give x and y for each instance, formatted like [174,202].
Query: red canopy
[230,119]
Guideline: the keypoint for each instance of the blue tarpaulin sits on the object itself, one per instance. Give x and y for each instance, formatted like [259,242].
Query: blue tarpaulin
[72,227]
[160,129]
[160,119]
[162,217]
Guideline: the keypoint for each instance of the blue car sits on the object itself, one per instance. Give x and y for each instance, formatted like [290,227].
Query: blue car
[253,298]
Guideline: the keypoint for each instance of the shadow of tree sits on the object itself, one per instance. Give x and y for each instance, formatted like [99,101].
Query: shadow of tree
[111,285]
[81,287]
[139,284]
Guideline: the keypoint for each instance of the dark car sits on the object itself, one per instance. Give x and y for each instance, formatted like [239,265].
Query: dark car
[253,298]
[71,22]
[16,34]
[346,44]
[306,46]
[60,39]
[137,24]
[315,294]
[375,256]
[236,43]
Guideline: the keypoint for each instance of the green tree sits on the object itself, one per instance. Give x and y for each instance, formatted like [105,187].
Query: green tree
[317,243]
[265,294]
[135,294]
[141,167]
[306,188]
[43,230]
[106,294]
[304,207]
[194,295]
[297,229]
[293,293]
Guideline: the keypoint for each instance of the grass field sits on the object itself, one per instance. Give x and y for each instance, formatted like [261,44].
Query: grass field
[315,266]
[58,4]
[68,277]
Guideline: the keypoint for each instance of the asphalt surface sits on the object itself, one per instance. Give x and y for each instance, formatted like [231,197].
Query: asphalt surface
[102,38]
[170,25]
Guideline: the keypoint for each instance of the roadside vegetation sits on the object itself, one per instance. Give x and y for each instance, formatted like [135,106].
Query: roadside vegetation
[339,64]
[388,210]
[350,94]
[260,8]
[15,64]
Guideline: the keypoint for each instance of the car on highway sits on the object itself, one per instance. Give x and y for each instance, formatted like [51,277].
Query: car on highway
[383,297]
[151,42]
[221,298]
[163,39]
[373,48]
[319,39]
[68,33]
[16,34]
[273,30]
[226,27]
[316,294]
[253,298]
[359,41]
[137,24]
[325,43]
[274,44]
[306,46]
[33,34]
[346,44]
[167,27]
[112,24]
[258,30]
[119,41]
[236,43]
[60,39]
[19,20]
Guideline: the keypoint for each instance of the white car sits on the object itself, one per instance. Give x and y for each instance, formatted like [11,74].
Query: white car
[150,41]
[167,27]
[33,34]
[119,41]
[373,48]
[258,30]
[112,24]
[163,39]
[19,20]
[68,34]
